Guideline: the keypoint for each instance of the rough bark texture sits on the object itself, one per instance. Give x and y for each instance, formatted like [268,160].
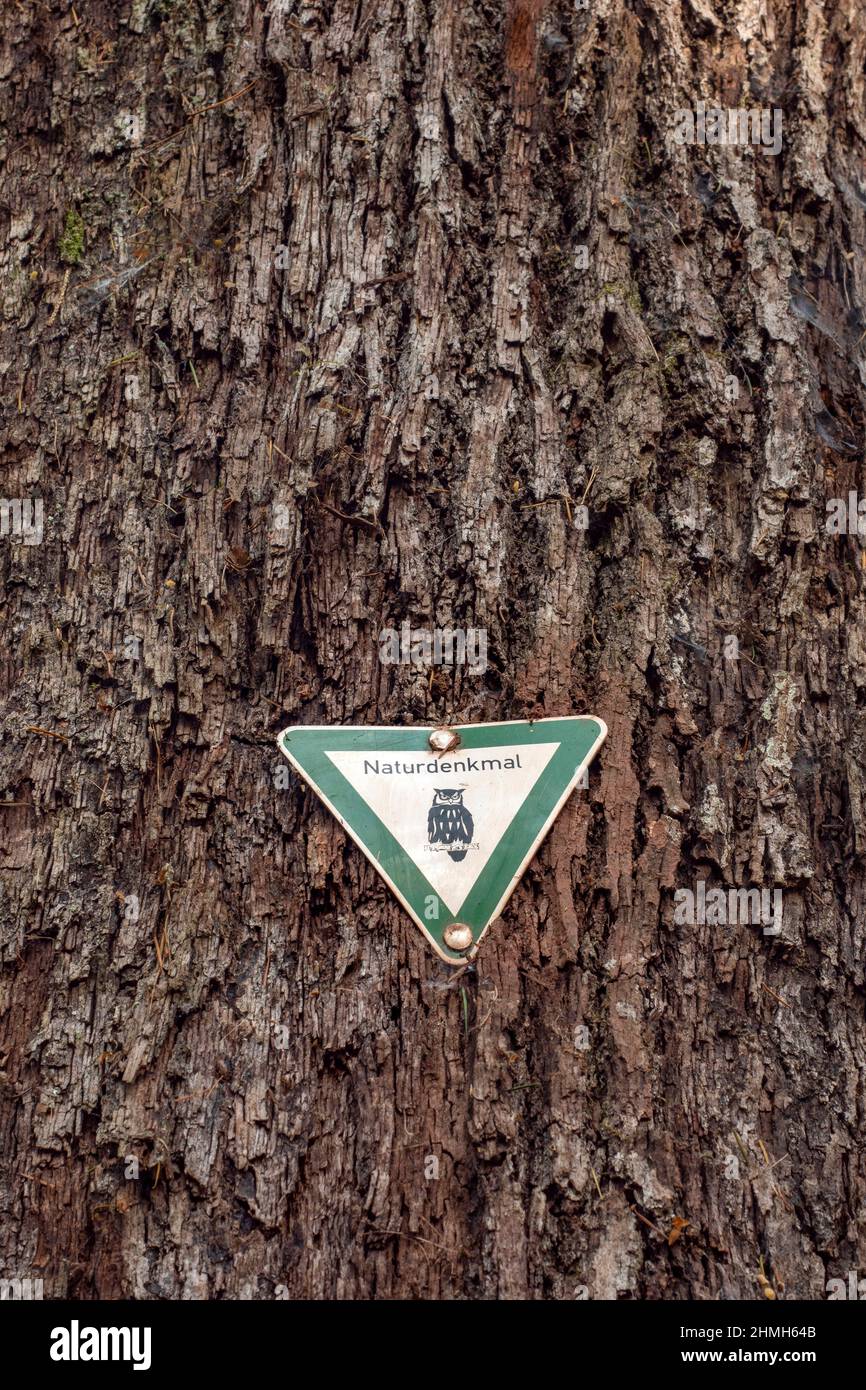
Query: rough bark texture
[296,346]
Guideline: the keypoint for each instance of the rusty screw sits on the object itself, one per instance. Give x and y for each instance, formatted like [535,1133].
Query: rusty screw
[444,740]
[458,937]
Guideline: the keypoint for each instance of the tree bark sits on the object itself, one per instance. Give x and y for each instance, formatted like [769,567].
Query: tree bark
[299,343]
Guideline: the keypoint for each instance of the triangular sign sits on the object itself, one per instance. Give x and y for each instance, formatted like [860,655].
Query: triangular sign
[451,833]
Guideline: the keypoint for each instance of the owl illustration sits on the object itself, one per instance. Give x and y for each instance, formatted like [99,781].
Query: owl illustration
[449,823]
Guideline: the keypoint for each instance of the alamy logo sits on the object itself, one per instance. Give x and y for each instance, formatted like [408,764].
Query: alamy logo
[21,1290]
[76,1343]
[441,646]
[449,823]
[838,1290]
[728,907]
[714,125]
[846,516]
[21,517]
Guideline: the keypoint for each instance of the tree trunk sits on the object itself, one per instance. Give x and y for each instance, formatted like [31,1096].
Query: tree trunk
[324,317]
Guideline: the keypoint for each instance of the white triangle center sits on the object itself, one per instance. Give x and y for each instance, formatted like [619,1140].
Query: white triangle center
[460,805]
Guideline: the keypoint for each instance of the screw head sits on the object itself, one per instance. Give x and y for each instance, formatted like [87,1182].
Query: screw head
[443,740]
[458,936]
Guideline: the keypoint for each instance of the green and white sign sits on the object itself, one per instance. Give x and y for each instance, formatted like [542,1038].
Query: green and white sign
[451,833]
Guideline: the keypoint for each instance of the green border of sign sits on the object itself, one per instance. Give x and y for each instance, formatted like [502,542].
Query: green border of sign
[580,736]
